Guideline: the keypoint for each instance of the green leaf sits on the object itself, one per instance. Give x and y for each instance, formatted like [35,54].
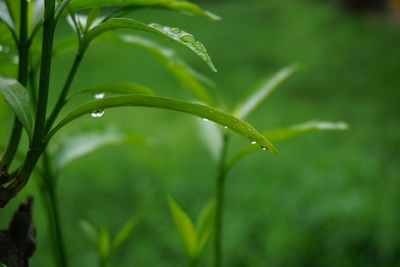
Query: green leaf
[5,16]
[181,71]
[116,89]
[91,17]
[184,226]
[78,146]
[104,243]
[2,265]
[199,110]
[37,11]
[263,91]
[124,233]
[18,98]
[282,134]
[205,225]
[175,5]
[211,134]
[173,34]
[90,231]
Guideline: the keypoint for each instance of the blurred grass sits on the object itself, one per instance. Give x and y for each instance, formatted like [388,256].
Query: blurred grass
[329,199]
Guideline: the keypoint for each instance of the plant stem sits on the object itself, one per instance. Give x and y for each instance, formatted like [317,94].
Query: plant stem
[67,85]
[44,80]
[50,192]
[219,207]
[23,51]
[37,145]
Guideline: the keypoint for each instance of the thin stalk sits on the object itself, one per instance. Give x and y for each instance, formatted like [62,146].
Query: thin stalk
[23,51]
[37,145]
[44,80]
[50,191]
[219,201]
[63,96]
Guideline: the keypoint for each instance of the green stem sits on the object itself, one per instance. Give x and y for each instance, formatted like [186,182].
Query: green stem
[44,80]
[67,85]
[23,51]
[37,145]
[50,191]
[32,157]
[219,201]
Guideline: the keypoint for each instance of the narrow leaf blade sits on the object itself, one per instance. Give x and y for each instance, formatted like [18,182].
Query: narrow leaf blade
[212,137]
[115,89]
[181,71]
[83,144]
[263,91]
[176,5]
[174,34]
[195,109]
[90,231]
[5,16]
[124,233]
[205,225]
[283,134]
[18,98]
[104,243]
[184,226]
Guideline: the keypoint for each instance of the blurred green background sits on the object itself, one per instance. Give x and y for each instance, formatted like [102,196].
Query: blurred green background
[329,199]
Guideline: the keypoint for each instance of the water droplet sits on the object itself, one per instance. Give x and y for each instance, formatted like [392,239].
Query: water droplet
[97,113]
[187,38]
[175,30]
[226,127]
[253,142]
[199,46]
[156,26]
[204,119]
[99,95]
[263,148]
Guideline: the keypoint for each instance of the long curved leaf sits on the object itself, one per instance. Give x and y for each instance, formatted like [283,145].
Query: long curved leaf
[18,98]
[173,34]
[177,67]
[125,232]
[199,110]
[84,143]
[263,91]
[205,225]
[184,226]
[283,134]
[5,16]
[212,136]
[115,89]
[175,5]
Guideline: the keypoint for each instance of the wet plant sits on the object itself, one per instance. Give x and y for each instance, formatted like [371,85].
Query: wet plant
[217,139]
[28,41]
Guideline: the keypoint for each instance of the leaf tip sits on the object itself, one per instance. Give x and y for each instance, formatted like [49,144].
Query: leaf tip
[212,16]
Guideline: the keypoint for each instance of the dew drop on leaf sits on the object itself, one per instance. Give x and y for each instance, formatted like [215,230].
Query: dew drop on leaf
[253,142]
[187,38]
[97,113]
[99,95]
[175,30]
[263,148]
